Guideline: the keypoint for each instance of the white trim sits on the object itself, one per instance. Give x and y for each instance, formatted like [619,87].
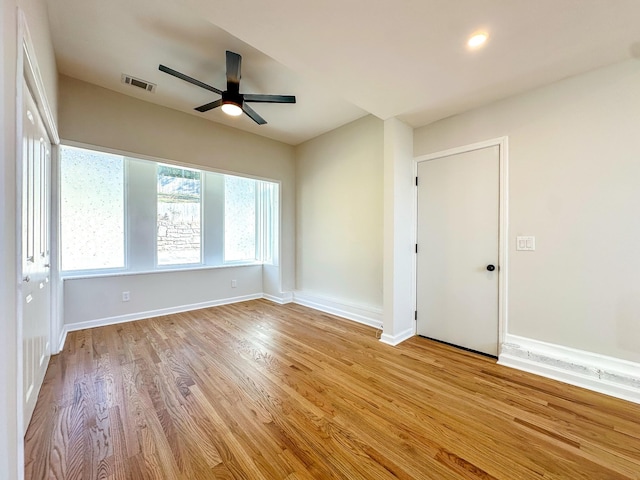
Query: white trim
[28,64]
[611,376]
[462,149]
[503,246]
[365,314]
[20,79]
[282,299]
[76,275]
[394,340]
[62,339]
[57,284]
[101,322]
[503,222]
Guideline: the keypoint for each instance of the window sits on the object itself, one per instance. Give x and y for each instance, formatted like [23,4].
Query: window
[174,216]
[239,219]
[178,237]
[91,210]
[267,221]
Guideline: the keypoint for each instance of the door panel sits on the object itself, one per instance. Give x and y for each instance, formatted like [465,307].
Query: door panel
[36,287]
[458,222]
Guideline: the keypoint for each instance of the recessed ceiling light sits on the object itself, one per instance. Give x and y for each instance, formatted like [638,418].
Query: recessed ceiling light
[477,39]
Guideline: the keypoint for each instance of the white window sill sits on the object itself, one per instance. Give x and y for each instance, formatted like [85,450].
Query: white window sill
[179,268]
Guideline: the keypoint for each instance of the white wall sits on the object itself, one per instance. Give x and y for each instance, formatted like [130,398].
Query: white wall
[339,214]
[96,116]
[35,12]
[574,183]
[8,341]
[98,300]
[399,233]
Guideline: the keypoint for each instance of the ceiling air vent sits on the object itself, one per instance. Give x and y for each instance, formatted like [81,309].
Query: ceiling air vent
[137,82]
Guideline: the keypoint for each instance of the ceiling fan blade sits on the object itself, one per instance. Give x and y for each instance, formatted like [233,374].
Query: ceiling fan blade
[209,106]
[253,115]
[253,97]
[234,62]
[186,78]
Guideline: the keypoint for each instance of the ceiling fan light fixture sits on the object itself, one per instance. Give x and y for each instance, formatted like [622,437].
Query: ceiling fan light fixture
[477,39]
[231,108]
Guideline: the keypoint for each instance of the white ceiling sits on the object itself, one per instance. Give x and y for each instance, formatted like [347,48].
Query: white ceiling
[341,58]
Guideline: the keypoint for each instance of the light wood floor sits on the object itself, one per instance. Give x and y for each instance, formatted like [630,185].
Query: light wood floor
[260,391]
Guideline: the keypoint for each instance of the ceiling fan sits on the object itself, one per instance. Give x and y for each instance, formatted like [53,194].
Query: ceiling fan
[232,102]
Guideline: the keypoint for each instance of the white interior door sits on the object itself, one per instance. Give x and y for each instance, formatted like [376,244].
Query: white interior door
[36,286]
[458,245]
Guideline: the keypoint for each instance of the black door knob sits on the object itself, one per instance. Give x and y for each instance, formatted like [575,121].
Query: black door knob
[491,268]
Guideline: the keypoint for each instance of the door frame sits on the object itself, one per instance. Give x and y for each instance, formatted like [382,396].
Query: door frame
[503,222]
[27,71]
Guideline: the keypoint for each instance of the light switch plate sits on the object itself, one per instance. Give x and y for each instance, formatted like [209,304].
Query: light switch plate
[527,244]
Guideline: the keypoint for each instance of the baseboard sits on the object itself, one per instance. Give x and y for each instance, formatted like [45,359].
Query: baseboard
[156,313]
[394,340]
[282,299]
[364,314]
[600,373]
[62,339]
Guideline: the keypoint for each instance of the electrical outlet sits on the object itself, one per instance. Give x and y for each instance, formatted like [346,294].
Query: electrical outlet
[234,283]
[125,296]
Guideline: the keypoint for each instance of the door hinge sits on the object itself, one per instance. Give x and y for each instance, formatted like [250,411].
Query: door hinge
[416,181]
[415,315]
[416,248]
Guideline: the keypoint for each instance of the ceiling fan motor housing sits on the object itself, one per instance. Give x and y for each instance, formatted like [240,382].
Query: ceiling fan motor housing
[232,97]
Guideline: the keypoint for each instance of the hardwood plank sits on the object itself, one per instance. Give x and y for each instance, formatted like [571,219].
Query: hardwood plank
[261,391]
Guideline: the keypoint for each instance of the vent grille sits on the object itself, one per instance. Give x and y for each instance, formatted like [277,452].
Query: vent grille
[138,83]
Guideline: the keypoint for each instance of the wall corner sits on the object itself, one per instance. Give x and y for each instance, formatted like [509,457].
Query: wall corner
[399,231]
